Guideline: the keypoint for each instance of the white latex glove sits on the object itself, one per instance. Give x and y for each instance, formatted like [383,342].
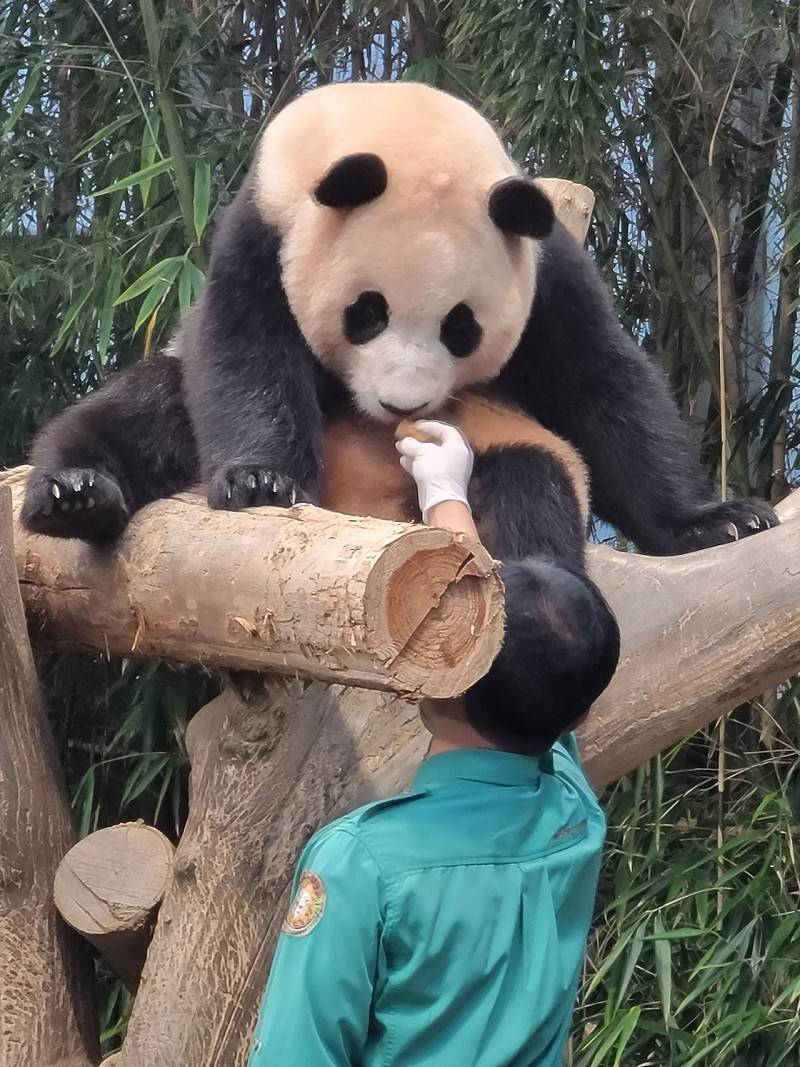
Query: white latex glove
[441,467]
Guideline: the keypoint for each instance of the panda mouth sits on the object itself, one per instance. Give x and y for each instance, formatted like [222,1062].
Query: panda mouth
[402,413]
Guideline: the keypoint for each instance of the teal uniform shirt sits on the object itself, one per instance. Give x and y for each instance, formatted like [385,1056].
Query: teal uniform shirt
[442,928]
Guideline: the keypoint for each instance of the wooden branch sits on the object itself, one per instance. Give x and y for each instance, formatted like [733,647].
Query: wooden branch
[47,1013]
[701,633]
[357,601]
[573,204]
[109,887]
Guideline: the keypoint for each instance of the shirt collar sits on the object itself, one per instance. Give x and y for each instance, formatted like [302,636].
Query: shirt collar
[478,765]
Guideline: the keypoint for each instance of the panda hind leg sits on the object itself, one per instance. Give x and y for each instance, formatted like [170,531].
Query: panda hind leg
[116,450]
[562,641]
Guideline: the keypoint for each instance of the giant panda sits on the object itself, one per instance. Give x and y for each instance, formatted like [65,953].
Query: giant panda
[386,260]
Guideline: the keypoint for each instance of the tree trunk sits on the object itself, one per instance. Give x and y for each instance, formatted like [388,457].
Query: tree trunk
[357,601]
[700,633]
[265,774]
[47,1016]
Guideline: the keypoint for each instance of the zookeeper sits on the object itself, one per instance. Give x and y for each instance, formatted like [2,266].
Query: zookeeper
[446,927]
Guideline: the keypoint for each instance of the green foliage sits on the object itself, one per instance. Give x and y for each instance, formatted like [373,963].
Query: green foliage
[119,148]
[698,936]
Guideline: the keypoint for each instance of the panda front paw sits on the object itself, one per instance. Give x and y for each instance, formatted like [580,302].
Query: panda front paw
[727,522]
[236,487]
[75,502]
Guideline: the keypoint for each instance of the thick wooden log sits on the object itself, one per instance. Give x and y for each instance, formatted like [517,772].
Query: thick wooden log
[47,1013]
[366,603]
[109,887]
[701,633]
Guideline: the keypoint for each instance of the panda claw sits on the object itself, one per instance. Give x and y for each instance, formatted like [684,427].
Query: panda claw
[754,523]
[55,490]
[733,532]
[293,497]
[252,482]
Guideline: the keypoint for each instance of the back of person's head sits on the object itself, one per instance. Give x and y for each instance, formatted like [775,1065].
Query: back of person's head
[559,653]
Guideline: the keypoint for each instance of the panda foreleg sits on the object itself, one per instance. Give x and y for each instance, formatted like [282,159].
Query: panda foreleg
[119,448]
[251,385]
[525,503]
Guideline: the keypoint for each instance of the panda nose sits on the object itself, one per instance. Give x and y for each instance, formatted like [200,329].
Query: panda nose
[401,412]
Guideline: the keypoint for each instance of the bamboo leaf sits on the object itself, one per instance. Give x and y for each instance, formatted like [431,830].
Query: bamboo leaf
[147,769]
[74,310]
[151,302]
[105,132]
[148,155]
[185,288]
[202,196]
[165,270]
[630,963]
[32,80]
[137,177]
[107,313]
[663,953]
[629,1024]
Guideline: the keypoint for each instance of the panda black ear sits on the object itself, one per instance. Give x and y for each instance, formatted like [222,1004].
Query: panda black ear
[352,181]
[518,206]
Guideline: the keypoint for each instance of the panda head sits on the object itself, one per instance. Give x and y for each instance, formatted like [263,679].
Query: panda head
[408,240]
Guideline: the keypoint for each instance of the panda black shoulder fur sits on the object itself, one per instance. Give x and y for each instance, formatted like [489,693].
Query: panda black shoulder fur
[385,260]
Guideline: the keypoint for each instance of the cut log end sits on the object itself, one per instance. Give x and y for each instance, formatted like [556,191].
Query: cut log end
[438,604]
[108,887]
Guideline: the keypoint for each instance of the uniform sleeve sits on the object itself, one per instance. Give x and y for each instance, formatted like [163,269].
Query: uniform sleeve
[316,1008]
[568,743]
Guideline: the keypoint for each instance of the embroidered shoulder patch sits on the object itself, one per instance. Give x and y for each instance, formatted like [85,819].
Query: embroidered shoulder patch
[307,907]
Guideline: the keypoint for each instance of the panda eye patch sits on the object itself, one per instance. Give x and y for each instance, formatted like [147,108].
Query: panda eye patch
[460,333]
[367,317]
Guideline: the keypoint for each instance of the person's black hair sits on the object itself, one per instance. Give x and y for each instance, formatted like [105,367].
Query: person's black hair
[559,653]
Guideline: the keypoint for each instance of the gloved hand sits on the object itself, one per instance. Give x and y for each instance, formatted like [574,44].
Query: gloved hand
[441,467]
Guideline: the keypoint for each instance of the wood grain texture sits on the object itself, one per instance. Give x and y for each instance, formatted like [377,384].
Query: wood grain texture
[109,887]
[380,605]
[47,1016]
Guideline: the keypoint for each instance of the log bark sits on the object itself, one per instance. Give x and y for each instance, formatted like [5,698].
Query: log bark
[357,601]
[265,773]
[47,1015]
[700,634]
[109,887]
